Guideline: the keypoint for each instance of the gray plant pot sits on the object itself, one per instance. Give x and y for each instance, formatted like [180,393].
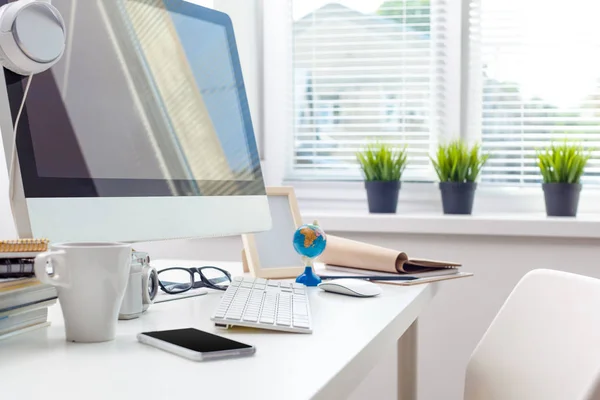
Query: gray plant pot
[382,196]
[562,199]
[457,197]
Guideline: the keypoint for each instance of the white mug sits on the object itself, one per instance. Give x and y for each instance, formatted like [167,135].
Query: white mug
[91,279]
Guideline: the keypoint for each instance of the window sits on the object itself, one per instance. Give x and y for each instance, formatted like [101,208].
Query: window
[363,70]
[516,76]
[535,78]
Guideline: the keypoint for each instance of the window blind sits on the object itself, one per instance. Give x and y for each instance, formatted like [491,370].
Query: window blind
[364,74]
[535,78]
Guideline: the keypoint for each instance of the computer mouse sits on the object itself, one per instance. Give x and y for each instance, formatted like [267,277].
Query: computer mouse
[351,287]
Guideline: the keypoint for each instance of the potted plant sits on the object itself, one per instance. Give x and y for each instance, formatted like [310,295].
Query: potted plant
[382,166]
[458,166]
[562,166]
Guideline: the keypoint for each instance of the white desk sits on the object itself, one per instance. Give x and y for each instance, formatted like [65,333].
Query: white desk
[350,335]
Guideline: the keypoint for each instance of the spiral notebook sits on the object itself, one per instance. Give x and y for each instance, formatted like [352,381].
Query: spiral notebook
[352,254]
[16,267]
[16,262]
[22,248]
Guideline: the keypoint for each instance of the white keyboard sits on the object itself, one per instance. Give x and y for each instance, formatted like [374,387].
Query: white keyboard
[265,304]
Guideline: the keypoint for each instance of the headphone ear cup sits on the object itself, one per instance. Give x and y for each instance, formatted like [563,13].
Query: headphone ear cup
[32,36]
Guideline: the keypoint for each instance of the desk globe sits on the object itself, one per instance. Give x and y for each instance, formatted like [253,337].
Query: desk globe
[309,241]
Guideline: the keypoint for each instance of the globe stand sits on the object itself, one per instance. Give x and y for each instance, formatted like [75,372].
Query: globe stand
[308,277]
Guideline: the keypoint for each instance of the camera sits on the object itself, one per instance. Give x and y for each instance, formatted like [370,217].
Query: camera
[141,288]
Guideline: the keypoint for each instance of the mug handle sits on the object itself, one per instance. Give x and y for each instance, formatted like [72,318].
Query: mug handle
[59,277]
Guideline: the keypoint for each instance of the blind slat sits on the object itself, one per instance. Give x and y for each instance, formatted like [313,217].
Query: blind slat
[532,84]
[361,77]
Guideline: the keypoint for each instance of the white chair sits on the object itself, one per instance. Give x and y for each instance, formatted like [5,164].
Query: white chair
[544,344]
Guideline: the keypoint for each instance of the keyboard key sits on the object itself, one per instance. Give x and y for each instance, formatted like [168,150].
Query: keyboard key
[300,299]
[301,324]
[285,285]
[262,281]
[300,311]
[298,286]
[248,279]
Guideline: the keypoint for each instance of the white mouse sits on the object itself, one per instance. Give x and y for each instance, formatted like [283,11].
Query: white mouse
[351,287]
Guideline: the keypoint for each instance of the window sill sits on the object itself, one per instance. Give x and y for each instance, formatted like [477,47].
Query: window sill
[498,211]
[585,226]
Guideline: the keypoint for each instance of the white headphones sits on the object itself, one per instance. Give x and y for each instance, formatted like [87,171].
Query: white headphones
[32,36]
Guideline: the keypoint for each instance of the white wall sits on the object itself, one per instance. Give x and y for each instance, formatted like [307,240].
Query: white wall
[453,324]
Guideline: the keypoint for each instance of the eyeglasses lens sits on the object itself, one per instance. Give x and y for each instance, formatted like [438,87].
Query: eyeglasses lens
[216,277]
[175,280]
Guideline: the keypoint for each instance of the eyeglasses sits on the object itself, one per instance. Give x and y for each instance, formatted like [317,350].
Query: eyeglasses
[178,280]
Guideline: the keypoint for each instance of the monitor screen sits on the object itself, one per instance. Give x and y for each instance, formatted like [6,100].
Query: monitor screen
[148,100]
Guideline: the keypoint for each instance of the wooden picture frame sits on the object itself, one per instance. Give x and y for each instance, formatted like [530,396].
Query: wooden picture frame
[271,254]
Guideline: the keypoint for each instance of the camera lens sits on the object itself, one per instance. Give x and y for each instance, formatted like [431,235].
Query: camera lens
[152,284]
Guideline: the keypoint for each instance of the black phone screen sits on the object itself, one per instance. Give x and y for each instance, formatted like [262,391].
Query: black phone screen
[196,340]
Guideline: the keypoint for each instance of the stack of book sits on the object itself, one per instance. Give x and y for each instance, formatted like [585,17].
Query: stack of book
[24,301]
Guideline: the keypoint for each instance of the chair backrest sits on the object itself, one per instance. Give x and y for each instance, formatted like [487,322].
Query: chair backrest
[543,344]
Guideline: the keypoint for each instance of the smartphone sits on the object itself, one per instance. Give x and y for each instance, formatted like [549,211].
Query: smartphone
[195,345]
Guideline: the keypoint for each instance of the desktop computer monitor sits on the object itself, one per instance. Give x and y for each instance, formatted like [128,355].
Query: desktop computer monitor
[141,132]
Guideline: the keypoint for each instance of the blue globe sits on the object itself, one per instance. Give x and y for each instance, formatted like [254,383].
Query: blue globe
[310,240]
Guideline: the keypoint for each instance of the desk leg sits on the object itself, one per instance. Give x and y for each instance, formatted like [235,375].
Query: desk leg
[407,364]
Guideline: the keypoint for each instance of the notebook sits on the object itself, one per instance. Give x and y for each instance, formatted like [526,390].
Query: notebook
[28,296]
[352,254]
[25,246]
[22,330]
[12,284]
[16,267]
[427,274]
[27,307]
[16,260]
[23,320]
[336,271]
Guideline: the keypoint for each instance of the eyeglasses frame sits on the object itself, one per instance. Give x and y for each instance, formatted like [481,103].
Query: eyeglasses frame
[193,271]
